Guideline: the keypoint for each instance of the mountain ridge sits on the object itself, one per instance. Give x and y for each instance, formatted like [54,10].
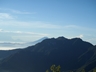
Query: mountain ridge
[7,53]
[68,53]
[15,45]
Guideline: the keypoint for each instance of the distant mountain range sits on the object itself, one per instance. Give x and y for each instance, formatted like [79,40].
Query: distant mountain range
[14,45]
[71,54]
[6,53]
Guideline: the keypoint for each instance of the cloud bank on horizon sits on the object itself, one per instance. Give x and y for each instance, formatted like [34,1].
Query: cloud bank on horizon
[31,20]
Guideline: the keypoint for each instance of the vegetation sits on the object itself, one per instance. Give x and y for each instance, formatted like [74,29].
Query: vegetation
[53,68]
[83,70]
[94,70]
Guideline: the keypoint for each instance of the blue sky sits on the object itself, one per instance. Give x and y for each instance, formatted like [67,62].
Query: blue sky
[30,20]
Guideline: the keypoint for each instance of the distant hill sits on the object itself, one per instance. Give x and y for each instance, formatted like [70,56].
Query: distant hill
[15,45]
[35,42]
[70,54]
[7,53]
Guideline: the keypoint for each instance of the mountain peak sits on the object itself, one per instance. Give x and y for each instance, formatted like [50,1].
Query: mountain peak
[61,38]
[77,39]
[70,54]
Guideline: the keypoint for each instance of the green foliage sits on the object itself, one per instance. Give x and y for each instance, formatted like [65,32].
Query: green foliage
[47,71]
[94,70]
[54,68]
[83,70]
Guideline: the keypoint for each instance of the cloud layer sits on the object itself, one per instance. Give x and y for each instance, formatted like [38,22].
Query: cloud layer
[16,29]
[16,11]
[5,16]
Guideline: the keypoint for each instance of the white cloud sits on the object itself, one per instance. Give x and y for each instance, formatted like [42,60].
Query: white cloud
[17,11]
[30,24]
[7,48]
[22,32]
[20,36]
[81,28]
[93,41]
[24,24]
[1,30]
[5,16]
[71,26]
[21,12]
[80,36]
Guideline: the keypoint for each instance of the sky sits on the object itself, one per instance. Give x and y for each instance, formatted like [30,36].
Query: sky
[30,20]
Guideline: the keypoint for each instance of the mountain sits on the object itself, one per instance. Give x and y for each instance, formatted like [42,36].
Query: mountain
[15,45]
[35,42]
[70,54]
[7,53]
[89,58]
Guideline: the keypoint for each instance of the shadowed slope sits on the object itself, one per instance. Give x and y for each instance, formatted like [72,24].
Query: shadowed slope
[37,58]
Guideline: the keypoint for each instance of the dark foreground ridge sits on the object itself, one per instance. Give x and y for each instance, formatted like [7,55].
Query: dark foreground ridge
[71,54]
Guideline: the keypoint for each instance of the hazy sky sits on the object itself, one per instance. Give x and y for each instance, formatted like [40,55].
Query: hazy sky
[29,20]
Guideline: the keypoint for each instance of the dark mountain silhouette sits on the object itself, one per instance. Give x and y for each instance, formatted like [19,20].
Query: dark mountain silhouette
[89,58]
[70,54]
[7,53]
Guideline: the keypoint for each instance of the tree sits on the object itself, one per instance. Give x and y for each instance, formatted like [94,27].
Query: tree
[83,70]
[53,68]
[94,70]
[47,71]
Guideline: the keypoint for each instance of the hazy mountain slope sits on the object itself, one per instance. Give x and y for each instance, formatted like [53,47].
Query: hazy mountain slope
[38,58]
[15,45]
[6,53]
